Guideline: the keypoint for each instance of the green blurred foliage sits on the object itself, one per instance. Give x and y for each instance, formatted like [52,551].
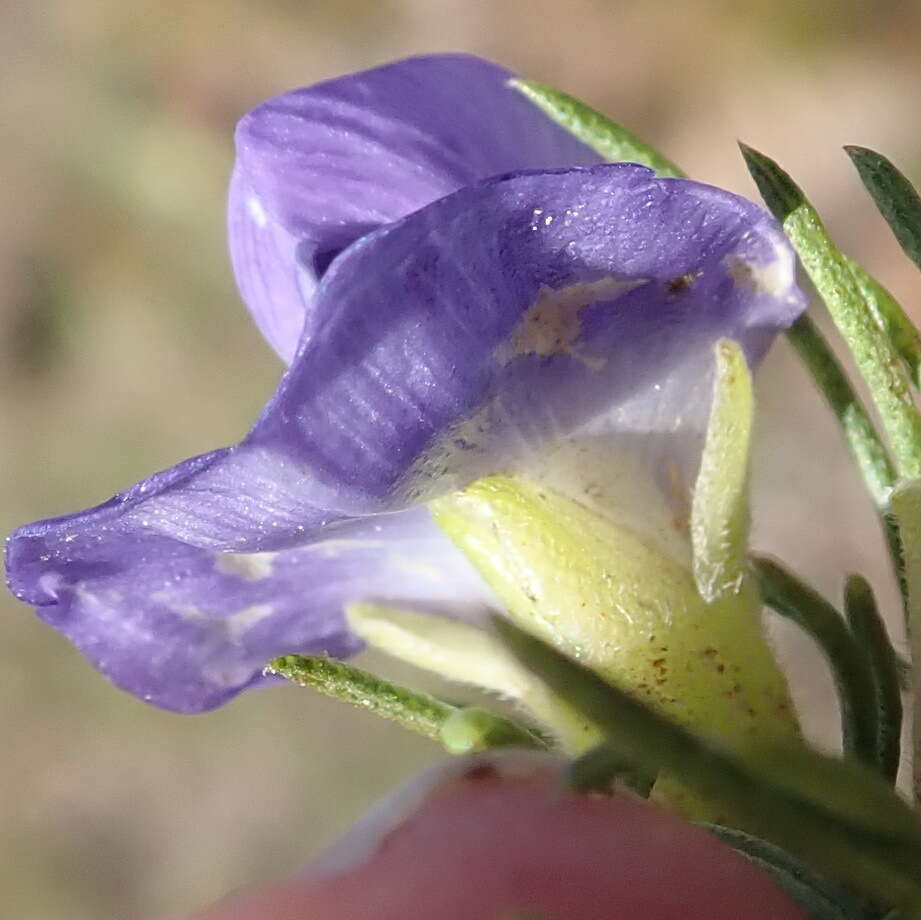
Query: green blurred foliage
[124,347]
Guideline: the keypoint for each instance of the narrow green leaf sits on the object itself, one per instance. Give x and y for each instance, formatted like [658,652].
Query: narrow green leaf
[877,360]
[719,509]
[894,195]
[476,729]
[822,899]
[872,640]
[854,829]
[607,138]
[416,711]
[791,598]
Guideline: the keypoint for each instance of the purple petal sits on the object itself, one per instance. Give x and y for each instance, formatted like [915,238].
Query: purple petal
[481,334]
[187,628]
[471,334]
[317,168]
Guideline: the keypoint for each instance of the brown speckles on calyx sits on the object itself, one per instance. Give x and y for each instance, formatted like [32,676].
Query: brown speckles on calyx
[660,669]
[678,497]
[711,657]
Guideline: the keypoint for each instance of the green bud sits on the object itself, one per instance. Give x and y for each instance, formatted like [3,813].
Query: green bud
[474,729]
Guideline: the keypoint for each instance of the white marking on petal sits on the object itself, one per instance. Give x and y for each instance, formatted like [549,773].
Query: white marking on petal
[552,324]
[257,211]
[240,623]
[251,566]
[234,626]
[50,582]
[775,277]
[227,675]
[330,549]
[413,568]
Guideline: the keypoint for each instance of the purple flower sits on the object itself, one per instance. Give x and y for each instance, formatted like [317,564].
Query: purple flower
[460,290]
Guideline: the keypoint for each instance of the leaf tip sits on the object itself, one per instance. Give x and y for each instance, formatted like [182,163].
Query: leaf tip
[748,152]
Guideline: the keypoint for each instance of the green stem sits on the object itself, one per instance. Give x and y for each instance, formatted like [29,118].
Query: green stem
[416,711]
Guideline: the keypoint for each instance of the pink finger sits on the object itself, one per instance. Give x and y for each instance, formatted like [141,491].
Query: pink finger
[499,837]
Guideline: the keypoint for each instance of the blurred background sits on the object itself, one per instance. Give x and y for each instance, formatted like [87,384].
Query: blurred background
[125,348]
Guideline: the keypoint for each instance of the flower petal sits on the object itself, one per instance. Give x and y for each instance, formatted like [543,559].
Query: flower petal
[475,336]
[480,334]
[317,168]
[472,334]
[187,628]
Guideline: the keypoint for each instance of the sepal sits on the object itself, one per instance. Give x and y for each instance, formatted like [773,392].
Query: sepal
[719,508]
[596,590]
